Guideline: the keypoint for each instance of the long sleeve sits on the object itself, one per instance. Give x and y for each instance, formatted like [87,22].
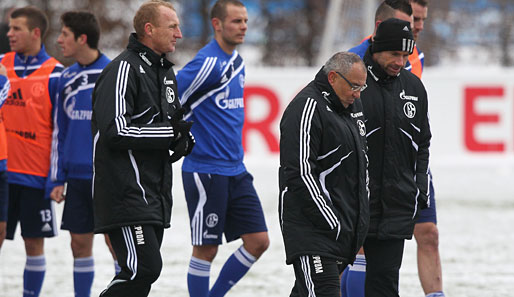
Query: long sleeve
[422,161]
[53,83]
[301,130]
[116,97]
[61,122]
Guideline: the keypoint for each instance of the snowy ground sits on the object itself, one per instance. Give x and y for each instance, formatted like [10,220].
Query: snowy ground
[476,241]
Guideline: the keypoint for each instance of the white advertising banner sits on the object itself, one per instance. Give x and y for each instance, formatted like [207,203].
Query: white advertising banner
[471,116]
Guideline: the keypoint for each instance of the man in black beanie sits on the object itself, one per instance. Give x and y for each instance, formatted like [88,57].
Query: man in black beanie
[398,136]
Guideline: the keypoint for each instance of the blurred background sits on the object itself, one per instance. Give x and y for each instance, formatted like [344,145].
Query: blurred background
[290,32]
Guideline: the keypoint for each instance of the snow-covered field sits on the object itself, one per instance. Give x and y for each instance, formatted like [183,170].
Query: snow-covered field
[476,243]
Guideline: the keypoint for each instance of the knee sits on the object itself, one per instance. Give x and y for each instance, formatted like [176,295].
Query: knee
[205,252]
[427,235]
[257,245]
[34,246]
[79,250]
[154,274]
[262,246]
[150,273]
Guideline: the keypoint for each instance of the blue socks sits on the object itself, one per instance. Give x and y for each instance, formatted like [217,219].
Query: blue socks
[236,266]
[117,268]
[355,278]
[232,271]
[33,276]
[83,275]
[198,277]
[436,294]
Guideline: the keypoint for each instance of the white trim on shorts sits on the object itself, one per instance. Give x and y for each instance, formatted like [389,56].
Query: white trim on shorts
[197,220]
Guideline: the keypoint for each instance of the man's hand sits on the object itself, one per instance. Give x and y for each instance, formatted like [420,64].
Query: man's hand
[183,147]
[180,127]
[58,194]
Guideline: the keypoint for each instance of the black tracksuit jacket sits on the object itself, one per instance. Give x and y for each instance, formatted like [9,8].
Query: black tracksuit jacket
[323,204]
[398,137]
[134,99]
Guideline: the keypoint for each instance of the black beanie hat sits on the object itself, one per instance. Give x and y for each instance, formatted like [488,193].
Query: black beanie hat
[393,35]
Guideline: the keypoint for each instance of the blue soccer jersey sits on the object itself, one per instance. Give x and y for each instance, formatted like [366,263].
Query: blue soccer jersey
[211,90]
[72,143]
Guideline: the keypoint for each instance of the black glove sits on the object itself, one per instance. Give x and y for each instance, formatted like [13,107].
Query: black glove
[183,146]
[180,127]
[181,130]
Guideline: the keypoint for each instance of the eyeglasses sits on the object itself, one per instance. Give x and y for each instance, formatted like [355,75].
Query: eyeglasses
[353,87]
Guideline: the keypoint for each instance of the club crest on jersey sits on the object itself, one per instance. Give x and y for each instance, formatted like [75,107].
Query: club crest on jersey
[362,127]
[170,95]
[37,89]
[241,80]
[409,109]
[211,220]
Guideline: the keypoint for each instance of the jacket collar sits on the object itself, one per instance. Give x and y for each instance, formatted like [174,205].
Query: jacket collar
[147,55]
[375,70]
[38,59]
[321,82]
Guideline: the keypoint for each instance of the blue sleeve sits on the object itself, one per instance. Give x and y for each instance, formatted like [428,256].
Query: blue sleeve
[53,83]
[4,89]
[360,49]
[61,122]
[196,77]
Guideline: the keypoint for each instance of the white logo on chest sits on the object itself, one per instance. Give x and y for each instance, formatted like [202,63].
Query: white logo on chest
[362,127]
[409,109]
[223,102]
[170,95]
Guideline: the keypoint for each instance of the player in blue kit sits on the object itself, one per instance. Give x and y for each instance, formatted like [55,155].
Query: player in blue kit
[72,148]
[219,191]
[33,76]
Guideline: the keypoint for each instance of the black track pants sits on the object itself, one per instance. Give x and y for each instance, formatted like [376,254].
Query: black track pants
[138,251]
[383,262]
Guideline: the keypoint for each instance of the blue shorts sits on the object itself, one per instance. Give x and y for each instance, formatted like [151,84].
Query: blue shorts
[35,213]
[220,204]
[429,215]
[4,196]
[77,216]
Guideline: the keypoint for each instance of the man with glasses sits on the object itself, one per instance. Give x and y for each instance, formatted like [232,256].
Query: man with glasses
[353,88]
[398,137]
[323,176]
